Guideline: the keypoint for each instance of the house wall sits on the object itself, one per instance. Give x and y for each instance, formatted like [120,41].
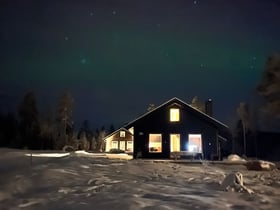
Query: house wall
[116,137]
[158,121]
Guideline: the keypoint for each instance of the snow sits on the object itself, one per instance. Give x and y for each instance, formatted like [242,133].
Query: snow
[48,154]
[87,181]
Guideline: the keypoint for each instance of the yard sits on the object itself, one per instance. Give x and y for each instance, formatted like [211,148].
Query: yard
[84,181]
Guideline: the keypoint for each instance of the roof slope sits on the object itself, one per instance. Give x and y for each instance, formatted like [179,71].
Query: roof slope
[175,99]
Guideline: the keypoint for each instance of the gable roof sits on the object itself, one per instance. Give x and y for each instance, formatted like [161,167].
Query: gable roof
[116,131]
[175,99]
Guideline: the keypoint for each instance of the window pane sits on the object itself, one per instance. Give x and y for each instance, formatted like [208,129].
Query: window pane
[122,133]
[129,146]
[174,115]
[174,142]
[114,144]
[155,143]
[195,143]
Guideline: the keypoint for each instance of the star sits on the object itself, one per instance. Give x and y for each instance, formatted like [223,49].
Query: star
[91,14]
[194,2]
[114,12]
[66,38]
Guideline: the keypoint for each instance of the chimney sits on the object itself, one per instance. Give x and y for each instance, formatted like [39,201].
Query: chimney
[209,107]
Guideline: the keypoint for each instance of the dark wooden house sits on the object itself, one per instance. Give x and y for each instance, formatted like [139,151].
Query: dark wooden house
[175,128]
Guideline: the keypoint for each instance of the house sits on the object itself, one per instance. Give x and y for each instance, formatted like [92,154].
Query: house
[121,139]
[174,127]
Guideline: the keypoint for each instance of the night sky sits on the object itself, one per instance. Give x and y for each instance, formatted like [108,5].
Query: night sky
[116,57]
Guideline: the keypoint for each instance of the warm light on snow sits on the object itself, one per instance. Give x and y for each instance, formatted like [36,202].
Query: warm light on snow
[48,154]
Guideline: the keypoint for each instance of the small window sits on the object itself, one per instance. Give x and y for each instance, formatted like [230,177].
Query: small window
[122,134]
[155,143]
[174,115]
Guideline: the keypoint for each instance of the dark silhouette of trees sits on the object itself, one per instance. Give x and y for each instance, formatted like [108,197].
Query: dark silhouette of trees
[28,122]
[85,135]
[64,121]
[269,86]
[8,130]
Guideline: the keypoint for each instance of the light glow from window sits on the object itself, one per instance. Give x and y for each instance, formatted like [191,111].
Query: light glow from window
[155,143]
[115,145]
[174,142]
[195,143]
[122,134]
[174,115]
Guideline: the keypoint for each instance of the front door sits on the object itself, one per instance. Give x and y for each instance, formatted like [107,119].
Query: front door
[174,142]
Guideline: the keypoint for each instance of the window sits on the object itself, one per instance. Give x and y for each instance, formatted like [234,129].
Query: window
[174,142]
[195,143]
[155,142]
[115,145]
[174,115]
[129,146]
[122,134]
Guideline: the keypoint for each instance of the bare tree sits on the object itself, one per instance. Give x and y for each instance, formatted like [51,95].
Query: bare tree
[196,103]
[151,107]
[243,112]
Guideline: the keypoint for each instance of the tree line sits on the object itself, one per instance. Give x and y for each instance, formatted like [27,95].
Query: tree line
[30,129]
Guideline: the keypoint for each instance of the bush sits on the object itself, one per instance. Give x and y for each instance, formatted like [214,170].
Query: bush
[116,151]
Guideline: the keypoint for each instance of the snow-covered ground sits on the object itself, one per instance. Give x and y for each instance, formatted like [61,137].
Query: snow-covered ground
[88,181]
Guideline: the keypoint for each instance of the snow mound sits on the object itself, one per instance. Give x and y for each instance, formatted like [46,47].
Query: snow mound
[234,182]
[234,157]
[260,165]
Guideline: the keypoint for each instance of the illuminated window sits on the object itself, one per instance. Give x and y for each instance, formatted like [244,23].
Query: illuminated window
[174,115]
[174,142]
[195,143]
[122,134]
[129,146]
[155,142]
[115,145]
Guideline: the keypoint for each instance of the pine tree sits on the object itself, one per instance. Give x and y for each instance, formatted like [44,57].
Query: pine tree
[269,86]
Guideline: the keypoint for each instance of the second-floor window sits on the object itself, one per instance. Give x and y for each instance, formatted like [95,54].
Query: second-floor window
[122,134]
[174,115]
